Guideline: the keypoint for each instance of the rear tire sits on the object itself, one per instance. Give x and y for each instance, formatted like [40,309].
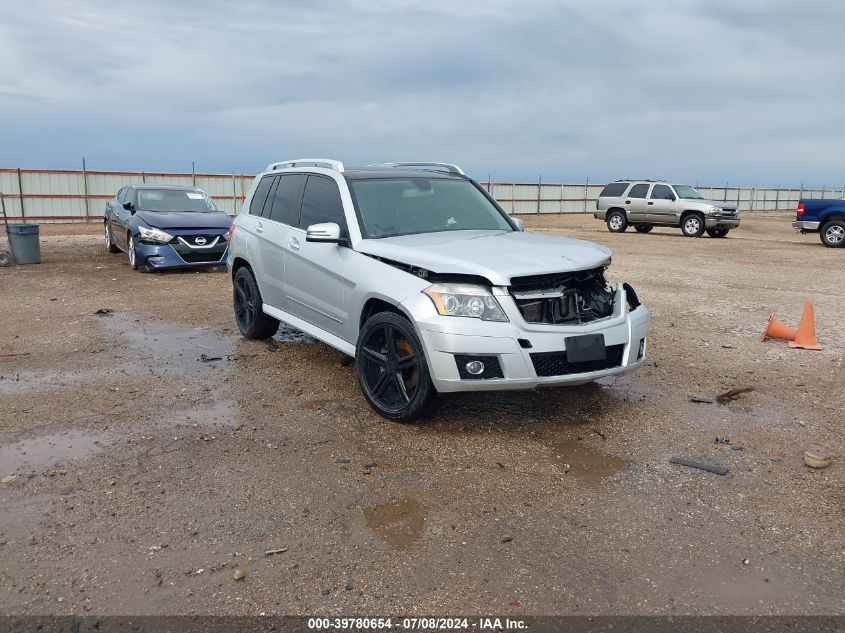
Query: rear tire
[718,232]
[692,225]
[246,301]
[110,247]
[832,234]
[643,228]
[617,222]
[391,368]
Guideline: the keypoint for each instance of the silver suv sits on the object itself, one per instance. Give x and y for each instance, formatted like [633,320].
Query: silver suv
[417,272]
[649,203]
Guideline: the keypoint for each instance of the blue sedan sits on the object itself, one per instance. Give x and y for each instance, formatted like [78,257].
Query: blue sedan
[162,226]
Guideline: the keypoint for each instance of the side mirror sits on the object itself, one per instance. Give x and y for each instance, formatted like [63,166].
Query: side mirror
[520,225]
[327,232]
[669,196]
[128,207]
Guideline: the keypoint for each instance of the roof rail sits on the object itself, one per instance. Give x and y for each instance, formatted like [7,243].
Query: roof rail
[328,163]
[452,169]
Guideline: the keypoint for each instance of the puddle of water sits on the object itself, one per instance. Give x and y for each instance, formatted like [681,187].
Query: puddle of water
[397,523]
[179,345]
[289,334]
[579,460]
[50,450]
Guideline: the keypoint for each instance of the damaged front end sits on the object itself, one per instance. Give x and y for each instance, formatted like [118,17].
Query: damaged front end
[569,298]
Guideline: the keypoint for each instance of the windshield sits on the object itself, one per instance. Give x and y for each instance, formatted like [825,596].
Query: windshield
[167,200]
[404,206]
[688,193]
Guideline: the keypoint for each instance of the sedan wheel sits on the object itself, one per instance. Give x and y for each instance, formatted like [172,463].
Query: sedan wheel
[133,261]
[110,247]
[391,368]
[833,234]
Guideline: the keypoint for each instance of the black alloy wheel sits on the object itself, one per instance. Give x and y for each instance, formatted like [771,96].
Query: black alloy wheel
[391,368]
[246,301]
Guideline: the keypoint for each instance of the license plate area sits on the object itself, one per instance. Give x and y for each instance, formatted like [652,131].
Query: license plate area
[581,349]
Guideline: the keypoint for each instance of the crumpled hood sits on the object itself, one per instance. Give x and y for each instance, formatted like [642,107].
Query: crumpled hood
[185,220]
[494,255]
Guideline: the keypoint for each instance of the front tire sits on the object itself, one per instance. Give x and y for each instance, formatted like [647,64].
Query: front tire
[643,228]
[617,222]
[718,233]
[246,301]
[391,368]
[692,225]
[832,234]
[110,246]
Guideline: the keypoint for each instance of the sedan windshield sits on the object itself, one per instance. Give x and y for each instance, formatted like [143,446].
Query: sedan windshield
[404,206]
[688,193]
[174,200]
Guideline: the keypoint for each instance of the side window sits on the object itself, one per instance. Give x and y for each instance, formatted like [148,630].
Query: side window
[286,199]
[614,190]
[638,191]
[260,197]
[321,203]
[661,192]
[121,195]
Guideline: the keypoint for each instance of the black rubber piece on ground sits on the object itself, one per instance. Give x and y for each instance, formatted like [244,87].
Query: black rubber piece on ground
[710,468]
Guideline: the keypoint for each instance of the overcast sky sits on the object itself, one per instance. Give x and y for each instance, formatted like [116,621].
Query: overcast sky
[745,91]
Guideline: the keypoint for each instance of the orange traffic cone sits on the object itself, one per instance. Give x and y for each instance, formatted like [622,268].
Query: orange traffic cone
[806,337]
[776,329]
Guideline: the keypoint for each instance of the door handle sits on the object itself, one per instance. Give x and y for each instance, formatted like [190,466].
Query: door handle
[293,243]
[651,203]
[627,202]
[259,228]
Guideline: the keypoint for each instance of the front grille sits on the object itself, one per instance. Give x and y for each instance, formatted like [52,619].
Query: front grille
[563,298]
[555,363]
[192,254]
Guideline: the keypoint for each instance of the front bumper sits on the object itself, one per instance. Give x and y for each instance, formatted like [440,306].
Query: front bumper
[167,256]
[805,225]
[444,337]
[718,222]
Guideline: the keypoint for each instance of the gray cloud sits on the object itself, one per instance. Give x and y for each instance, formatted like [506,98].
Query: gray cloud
[697,90]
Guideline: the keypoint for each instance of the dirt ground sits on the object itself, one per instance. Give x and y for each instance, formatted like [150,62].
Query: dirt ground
[155,451]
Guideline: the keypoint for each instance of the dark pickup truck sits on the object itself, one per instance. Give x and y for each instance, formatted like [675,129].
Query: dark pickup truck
[825,217]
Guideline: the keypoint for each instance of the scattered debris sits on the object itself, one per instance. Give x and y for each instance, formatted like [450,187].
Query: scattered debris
[600,434]
[802,423]
[814,460]
[9,354]
[718,470]
[732,394]
[737,447]
[326,592]
[507,539]
[745,561]
[103,312]
[722,440]
[8,479]
[704,399]
[500,465]
[342,460]
[239,574]
[272,346]
[272,552]
[728,347]
[207,359]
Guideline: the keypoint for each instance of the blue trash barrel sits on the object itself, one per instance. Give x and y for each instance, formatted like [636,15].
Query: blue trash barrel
[23,238]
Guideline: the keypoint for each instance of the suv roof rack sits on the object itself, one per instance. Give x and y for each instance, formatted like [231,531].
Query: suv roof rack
[448,167]
[638,180]
[328,163]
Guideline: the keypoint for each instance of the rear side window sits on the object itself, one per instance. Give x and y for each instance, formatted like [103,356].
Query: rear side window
[121,195]
[321,203]
[661,192]
[614,190]
[260,197]
[638,191]
[286,198]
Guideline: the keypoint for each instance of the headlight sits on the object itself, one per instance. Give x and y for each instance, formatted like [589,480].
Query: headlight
[715,209]
[154,235]
[465,300]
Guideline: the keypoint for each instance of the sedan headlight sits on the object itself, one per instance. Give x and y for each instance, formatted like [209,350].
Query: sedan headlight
[465,300]
[154,235]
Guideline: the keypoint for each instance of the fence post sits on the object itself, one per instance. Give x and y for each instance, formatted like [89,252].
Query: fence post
[489,182]
[539,192]
[234,196]
[586,193]
[193,174]
[513,197]
[85,188]
[20,191]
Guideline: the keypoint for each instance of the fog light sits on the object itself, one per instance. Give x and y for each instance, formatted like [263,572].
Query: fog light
[475,367]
